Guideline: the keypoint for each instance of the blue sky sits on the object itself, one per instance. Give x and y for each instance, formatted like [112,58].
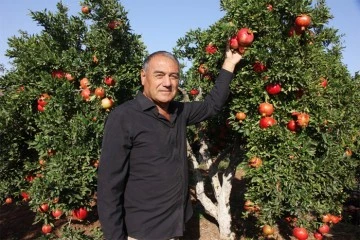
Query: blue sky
[162,22]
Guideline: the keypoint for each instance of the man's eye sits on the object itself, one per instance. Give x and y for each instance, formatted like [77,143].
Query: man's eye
[174,77]
[159,75]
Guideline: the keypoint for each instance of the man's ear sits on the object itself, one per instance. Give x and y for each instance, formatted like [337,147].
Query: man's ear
[142,75]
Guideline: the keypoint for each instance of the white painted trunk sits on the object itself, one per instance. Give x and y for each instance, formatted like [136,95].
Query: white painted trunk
[224,215]
[220,210]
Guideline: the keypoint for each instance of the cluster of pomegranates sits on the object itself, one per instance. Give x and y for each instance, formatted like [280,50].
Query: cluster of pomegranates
[42,101]
[266,110]
[241,40]
[78,214]
[299,120]
[99,92]
[204,71]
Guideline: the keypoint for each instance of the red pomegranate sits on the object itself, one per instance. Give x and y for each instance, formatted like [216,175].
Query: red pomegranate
[303,21]
[245,37]
[266,122]
[259,67]
[266,109]
[273,88]
[233,42]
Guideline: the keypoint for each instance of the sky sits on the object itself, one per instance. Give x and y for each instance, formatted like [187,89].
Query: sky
[162,22]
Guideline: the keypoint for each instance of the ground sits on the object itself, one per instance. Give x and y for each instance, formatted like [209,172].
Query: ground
[16,224]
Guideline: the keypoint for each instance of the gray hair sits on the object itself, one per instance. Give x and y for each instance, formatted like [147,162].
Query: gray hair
[161,53]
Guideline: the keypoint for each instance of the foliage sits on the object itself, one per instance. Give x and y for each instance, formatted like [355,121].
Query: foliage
[50,130]
[305,173]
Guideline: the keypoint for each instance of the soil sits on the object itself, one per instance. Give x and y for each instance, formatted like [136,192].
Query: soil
[16,223]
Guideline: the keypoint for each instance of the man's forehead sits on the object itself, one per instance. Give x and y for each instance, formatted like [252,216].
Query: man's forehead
[164,64]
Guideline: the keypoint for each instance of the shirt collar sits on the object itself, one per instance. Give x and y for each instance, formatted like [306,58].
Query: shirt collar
[147,104]
[144,102]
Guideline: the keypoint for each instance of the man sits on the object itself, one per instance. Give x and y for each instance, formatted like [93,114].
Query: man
[143,172]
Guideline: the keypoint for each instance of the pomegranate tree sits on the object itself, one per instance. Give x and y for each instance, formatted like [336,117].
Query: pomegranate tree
[299,126]
[54,105]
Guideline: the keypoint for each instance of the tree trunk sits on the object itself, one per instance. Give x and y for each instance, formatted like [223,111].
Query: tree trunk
[224,215]
[221,209]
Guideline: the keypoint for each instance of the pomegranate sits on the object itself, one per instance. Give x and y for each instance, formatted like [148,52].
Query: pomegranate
[210,48]
[335,219]
[100,92]
[202,69]
[109,81]
[323,82]
[245,37]
[95,60]
[80,213]
[56,213]
[25,196]
[294,30]
[255,162]
[348,152]
[8,200]
[84,82]
[266,109]
[46,228]
[57,74]
[41,102]
[43,99]
[291,125]
[266,122]
[85,9]
[30,178]
[96,163]
[194,92]
[40,108]
[250,206]
[240,116]
[44,207]
[273,88]
[324,229]
[267,230]
[302,21]
[318,235]
[259,67]
[326,218]
[269,7]
[114,24]
[85,94]
[51,152]
[300,233]
[303,119]
[233,42]
[107,103]
[69,77]
[241,50]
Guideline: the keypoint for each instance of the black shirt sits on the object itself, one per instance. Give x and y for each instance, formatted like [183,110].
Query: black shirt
[143,172]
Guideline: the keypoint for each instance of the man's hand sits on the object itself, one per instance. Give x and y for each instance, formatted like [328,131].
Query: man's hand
[232,58]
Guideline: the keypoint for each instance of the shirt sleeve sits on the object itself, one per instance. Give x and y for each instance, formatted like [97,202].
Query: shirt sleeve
[213,102]
[112,172]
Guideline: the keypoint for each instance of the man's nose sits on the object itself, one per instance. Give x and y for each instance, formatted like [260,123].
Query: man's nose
[166,81]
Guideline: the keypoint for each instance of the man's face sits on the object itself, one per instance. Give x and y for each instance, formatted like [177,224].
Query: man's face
[160,79]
